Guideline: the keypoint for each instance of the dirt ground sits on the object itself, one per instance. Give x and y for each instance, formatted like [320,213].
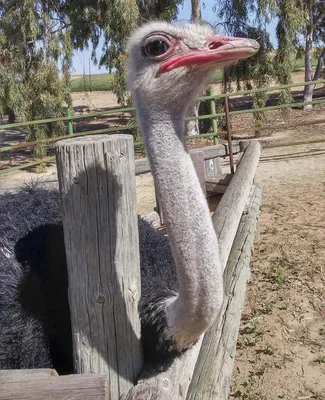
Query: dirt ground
[281,344]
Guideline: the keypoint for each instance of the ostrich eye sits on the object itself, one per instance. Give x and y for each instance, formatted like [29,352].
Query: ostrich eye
[156,48]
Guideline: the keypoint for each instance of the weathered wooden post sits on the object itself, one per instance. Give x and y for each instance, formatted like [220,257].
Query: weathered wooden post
[97,184]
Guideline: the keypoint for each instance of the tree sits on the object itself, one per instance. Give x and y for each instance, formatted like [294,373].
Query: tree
[192,126]
[296,19]
[314,32]
[300,18]
[36,35]
[196,11]
[114,20]
[32,40]
[257,71]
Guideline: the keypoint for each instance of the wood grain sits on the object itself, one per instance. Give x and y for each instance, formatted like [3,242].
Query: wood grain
[98,192]
[233,202]
[219,184]
[213,168]
[8,375]
[69,387]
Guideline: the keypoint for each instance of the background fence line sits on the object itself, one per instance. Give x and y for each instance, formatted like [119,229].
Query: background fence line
[131,110]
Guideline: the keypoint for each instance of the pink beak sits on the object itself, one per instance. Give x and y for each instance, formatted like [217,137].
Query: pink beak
[219,49]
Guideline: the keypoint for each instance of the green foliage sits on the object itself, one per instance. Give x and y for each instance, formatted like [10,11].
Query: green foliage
[299,60]
[257,71]
[115,20]
[295,19]
[32,41]
[46,88]
[289,22]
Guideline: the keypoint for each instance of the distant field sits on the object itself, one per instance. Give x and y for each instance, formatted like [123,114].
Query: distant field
[83,83]
[101,82]
[300,63]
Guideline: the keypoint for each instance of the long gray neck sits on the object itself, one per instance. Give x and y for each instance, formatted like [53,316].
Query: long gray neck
[188,224]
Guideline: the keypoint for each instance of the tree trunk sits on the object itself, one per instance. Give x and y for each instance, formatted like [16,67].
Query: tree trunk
[196,11]
[192,127]
[309,89]
[320,64]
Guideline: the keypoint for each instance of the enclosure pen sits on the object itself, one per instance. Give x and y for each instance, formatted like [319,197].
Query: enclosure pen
[97,182]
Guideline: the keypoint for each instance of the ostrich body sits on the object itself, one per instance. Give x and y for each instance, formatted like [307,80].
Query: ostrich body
[181,277]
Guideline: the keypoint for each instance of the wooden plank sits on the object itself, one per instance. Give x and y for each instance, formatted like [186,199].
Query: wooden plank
[220,150]
[142,166]
[197,157]
[210,152]
[213,201]
[172,381]
[69,387]
[8,375]
[219,184]
[233,202]
[212,375]
[98,192]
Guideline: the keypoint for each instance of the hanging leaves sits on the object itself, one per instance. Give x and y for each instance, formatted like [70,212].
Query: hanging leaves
[33,39]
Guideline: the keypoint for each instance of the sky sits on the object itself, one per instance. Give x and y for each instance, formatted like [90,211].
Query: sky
[81,60]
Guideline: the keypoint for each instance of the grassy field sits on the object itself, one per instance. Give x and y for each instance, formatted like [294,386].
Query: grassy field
[83,83]
[100,82]
[300,63]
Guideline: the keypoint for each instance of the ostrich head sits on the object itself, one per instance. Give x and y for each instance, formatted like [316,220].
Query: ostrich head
[171,64]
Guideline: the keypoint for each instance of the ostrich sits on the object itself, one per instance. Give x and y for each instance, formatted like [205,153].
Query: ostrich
[182,289]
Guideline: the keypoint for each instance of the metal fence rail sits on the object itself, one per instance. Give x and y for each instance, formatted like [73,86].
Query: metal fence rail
[131,110]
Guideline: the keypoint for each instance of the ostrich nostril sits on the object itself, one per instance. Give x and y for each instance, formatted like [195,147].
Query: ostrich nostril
[254,44]
[215,45]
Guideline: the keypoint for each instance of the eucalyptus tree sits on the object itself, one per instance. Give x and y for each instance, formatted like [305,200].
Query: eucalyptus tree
[37,39]
[300,26]
[109,23]
[248,18]
[313,31]
[32,41]
[192,126]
